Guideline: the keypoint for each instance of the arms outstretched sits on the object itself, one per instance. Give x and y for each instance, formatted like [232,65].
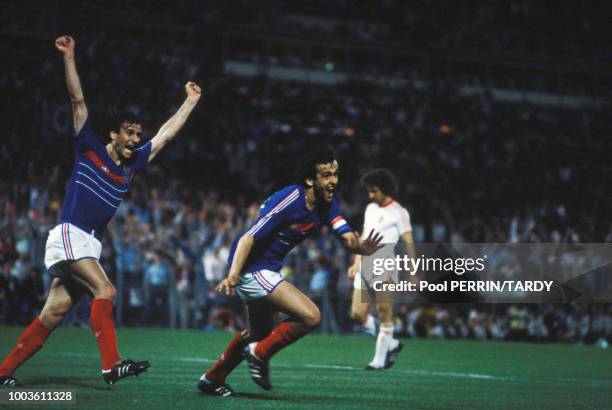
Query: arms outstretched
[176,122]
[65,44]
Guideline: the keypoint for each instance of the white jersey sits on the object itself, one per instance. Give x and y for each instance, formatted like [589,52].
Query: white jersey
[391,220]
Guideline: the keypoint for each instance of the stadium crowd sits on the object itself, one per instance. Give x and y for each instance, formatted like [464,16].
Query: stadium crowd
[470,169]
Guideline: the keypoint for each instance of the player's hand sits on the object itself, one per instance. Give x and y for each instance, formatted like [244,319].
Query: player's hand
[194,92]
[228,284]
[352,271]
[371,244]
[65,44]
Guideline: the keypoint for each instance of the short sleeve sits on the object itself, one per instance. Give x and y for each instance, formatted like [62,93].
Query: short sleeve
[368,223]
[278,208]
[336,220]
[403,223]
[141,157]
[86,139]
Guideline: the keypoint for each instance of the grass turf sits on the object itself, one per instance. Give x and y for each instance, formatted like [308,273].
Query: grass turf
[324,371]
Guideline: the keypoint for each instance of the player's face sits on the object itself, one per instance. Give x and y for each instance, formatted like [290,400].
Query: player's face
[376,195]
[127,140]
[326,181]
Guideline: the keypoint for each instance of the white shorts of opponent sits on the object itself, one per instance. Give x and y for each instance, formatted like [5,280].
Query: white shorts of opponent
[255,285]
[66,242]
[360,282]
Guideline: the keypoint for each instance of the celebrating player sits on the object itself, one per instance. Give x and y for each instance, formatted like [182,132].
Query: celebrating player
[256,257]
[100,179]
[391,219]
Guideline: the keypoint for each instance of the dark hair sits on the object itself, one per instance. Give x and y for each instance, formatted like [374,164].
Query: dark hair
[382,178]
[306,166]
[115,117]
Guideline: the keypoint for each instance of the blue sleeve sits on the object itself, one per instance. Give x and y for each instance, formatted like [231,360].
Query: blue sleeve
[86,140]
[278,208]
[142,157]
[336,220]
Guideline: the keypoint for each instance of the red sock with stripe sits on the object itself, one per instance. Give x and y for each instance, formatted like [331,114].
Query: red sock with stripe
[30,341]
[231,357]
[103,326]
[286,333]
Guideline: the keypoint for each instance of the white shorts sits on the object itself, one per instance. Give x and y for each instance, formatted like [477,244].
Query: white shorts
[359,284]
[255,285]
[66,242]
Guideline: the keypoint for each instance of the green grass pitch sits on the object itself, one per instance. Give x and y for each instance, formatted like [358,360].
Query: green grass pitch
[324,371]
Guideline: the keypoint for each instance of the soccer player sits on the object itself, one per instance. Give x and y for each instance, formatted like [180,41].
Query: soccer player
[286,218]
[100,179]
[393,221]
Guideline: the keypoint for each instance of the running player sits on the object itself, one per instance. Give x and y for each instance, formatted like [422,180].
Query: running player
[393,221]
[286,219]
[100,179]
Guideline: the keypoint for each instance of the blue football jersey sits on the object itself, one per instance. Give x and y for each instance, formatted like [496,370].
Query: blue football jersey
[284,221]
[97,185]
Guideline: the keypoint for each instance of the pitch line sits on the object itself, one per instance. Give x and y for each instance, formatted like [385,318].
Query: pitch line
[427,373]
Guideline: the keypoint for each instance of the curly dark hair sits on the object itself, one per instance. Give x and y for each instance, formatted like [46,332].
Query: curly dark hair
[382,178]
[306,166]
[115,117]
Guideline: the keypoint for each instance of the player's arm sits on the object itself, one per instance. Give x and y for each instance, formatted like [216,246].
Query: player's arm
[355,244]
[408,241]
[278,208]
[66,44]
[243,249]
[169,130]
[409,244]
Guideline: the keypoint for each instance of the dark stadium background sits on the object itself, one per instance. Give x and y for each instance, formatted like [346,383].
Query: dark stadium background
[495,117]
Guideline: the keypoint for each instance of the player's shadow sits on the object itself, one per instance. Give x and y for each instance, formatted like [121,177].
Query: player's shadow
[84,382]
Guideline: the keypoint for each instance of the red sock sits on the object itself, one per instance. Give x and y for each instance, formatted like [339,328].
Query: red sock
[231,357]
[103,326]
[284,334]
[30,341]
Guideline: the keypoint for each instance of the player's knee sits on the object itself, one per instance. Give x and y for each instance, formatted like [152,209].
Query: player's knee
[313,318]
[385,312]
[107,291]
[52,316]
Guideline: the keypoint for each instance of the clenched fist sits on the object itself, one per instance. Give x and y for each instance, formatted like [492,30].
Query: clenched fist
[194,92]
[65,44]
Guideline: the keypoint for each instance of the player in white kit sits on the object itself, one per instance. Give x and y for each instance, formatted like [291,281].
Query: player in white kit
[393,221]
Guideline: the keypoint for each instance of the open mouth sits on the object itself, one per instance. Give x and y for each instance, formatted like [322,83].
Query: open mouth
[330,190]
[130,148]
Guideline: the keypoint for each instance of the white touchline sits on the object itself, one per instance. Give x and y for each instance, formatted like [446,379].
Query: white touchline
[404,371]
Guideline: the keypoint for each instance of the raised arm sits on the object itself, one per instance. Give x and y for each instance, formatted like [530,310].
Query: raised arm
[176,122]
[65,44]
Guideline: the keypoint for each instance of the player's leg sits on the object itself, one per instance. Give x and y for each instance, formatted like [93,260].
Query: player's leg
[360,313]
[260,322]
[260,314]
[386,346]
[304,316]
[60,300]
[90,274]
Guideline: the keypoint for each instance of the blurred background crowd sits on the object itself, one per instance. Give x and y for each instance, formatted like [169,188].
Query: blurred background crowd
[494,119]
